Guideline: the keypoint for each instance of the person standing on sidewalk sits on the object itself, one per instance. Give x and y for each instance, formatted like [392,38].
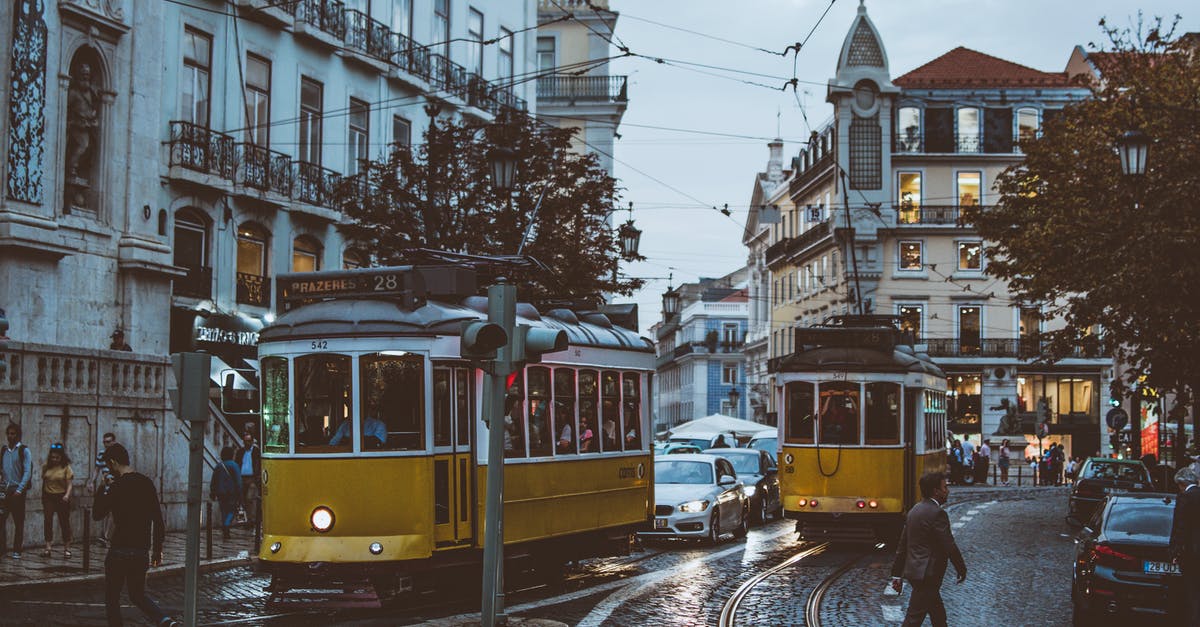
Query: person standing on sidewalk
[981,467]
[104,477]
[249,463]
[57,478]
[1003,461]
[226,489]
[137,539]
[1185,544]
[926,545]
[16,475]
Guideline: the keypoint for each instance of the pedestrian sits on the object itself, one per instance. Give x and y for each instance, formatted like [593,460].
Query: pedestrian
[1185,544]
[720,443]
[249,464]
[118,342]
[1003,461]
[17,465]
[985,460]
[226,489]
[956,461]
[1057,459]
[57,479]
[104,477]
[1072,468]
[137,539]
[926,545]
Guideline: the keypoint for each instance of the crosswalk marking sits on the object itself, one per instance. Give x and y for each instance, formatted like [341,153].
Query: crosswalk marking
[892,613]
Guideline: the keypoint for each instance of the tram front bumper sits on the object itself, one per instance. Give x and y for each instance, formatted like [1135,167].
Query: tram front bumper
[343,549]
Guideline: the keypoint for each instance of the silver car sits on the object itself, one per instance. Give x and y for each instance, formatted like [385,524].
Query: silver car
[697,496]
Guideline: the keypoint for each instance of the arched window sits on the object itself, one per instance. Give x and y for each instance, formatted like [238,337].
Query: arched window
[306,254]
[252,247]
[353,259]
[191,252]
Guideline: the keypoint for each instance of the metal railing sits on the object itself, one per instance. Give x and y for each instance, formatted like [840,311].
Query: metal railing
[957,215]
[583,88]
[314,184]
[1020,348]
[201,149]
[328,16]
[253,290]
[791,245]
[264,169]
[917,143]
[197,283]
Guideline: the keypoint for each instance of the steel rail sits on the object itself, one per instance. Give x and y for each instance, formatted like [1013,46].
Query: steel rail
[812,608]
[729,610]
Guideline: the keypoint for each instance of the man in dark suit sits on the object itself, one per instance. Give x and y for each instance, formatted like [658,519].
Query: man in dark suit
[926,544]
[1185,542]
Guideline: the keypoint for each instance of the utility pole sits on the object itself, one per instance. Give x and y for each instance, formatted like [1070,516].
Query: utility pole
[502,304]
[190,400]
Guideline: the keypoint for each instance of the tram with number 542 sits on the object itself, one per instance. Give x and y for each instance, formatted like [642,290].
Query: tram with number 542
[374,449]
[862,417]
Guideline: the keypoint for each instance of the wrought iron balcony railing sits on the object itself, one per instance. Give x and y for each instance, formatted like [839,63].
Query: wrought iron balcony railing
[582,88]
[789,246]
[264,169]
[252,289]
[201,149]
[314,184]
[325,15]
[918,143]
[956,215]
[197,283]
[1021,348]
[368,36]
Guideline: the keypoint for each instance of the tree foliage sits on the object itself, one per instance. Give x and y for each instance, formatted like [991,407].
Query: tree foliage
[438,195]
[1100,249]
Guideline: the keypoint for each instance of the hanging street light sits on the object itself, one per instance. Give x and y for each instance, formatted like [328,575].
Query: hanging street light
[734,397]
[629,236]
[504,168]
[1134,149]
[670,301]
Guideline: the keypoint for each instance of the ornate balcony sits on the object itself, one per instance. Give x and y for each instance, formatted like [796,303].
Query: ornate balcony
[936,215]
[197,283]
[322,20]
[1020,348]
[788,247]
[314,184]
[591,89]
[203,151]
[253,290]
[264,170]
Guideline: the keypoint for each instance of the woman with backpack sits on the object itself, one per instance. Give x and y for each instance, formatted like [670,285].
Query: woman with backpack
[57,477]
[226,489]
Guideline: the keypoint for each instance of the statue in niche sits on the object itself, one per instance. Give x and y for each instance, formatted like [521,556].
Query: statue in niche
[83,125]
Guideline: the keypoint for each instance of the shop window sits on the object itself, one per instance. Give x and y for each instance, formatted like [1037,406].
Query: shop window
[965,401]
[839,413]
[910,256]
[306,255]
[324,411]
[799,403]
[883,413]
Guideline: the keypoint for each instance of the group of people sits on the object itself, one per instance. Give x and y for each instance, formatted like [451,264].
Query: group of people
[968,464]
[235,483]
[16,480]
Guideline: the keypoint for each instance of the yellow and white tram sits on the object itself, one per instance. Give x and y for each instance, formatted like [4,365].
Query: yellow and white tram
[374,451]
[862,417]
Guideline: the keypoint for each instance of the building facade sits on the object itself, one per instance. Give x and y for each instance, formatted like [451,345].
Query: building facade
[700,368]
[884,195]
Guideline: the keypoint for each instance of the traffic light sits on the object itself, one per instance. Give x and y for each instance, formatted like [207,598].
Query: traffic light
[529,343]
[1114,394]
[480,340]
[1114,441]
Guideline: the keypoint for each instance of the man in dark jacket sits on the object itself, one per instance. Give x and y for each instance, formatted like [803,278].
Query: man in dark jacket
[249,462]
[926,545]
[1185,542]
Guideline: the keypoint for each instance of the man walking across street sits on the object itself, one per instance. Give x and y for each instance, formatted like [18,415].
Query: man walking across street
[104,477]
[249,462]
[926,544]
[137,540]
[16,473]
[1185,544]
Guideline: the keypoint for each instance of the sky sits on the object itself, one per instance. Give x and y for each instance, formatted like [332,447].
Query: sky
[676,178]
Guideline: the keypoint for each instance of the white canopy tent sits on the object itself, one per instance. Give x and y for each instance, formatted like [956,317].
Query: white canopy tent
[719,423]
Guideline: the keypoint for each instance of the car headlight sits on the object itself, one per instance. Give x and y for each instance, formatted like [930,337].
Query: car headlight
[321,519]
[749,490]
[692,507]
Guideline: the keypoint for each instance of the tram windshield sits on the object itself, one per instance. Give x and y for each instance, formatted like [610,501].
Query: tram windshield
[323,404]
[393,410]
[839,413]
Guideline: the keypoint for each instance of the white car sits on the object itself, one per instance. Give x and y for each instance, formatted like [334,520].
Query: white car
[697,496]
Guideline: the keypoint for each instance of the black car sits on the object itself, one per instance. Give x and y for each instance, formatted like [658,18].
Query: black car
[760,478]
[1122,565]
[1102,476]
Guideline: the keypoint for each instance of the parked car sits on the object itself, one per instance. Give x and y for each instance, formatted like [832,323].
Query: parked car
[766,441]
[1102,476]
[1121,559]
[706,440]
[675,448]
[697,496]
[760,479]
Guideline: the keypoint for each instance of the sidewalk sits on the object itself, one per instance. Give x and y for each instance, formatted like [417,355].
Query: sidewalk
[33,569]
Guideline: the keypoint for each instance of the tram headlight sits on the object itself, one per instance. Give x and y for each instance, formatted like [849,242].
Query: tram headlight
[692,507]
[749,490]
[375,548]
[321,519]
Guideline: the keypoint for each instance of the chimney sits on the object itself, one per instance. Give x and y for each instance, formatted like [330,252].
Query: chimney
[775,162]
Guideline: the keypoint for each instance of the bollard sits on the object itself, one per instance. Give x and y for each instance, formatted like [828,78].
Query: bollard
[995,475]
[208,528]
[1019,469]
[87,538]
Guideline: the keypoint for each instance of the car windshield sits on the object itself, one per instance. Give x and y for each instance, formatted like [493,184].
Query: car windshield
[1116,471]
[765,444]
[744,464]
[683,472]
[1151,518]
[699,443]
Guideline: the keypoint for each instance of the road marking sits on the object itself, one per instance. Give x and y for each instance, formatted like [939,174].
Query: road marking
[956,525]
[966,518]
[892,613]
[973,511]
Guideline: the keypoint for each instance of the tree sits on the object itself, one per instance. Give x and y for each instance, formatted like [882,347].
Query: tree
[1104,251]
[438,195]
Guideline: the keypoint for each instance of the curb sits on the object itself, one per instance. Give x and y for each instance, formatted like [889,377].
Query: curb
[158,571]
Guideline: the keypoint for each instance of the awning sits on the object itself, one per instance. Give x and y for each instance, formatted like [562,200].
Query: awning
[230,377]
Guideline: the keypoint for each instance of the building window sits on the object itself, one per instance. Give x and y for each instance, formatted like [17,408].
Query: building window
[545,54]
[306,255]
[910,319]
[191,240]
[970,255]
[908,130]
[965,399]
[258,100]
[823,277]
[401,132]
[195,83]
[441,26]
[968,120]
[402,17]
[352,260]
[1028,127]
[969,188]
[311,94]
[910,256]
[252,250]
[729,334]
[729,374]
[1030,321]
[359,132]
[866,160]
[474,41]
[968,329]
[910,197]
[506,69]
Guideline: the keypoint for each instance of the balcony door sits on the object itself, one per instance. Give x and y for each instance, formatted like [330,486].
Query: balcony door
[191,252]
[968,329]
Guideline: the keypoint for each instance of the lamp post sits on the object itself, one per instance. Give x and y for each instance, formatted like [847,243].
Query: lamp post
[630,236]
[1134,150]
[734,397]
[670,300]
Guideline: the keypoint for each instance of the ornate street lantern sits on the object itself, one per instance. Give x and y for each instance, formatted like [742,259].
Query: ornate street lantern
[504,168]
[630,237]
[670,302]
[734,397]
[1134,148]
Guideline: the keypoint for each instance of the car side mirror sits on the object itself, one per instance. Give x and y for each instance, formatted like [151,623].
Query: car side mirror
[726,480]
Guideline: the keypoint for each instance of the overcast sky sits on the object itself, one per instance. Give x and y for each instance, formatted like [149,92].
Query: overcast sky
[675,178]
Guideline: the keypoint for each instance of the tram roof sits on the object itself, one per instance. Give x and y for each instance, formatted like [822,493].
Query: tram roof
[857,359]
[344,317]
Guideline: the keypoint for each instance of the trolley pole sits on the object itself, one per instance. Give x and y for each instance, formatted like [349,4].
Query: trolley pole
[502,299]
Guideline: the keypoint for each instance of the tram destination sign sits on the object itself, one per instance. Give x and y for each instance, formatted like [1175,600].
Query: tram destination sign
[306,287]
[847,337]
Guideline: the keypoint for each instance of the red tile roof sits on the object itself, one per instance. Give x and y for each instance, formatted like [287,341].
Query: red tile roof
[963,67]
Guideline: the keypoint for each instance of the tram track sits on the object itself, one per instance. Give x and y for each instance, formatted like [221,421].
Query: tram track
[729,610]
[812,607]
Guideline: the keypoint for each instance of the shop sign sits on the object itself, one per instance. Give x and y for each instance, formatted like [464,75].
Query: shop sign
[226,336]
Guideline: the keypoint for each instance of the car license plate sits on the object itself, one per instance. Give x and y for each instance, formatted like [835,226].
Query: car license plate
[1162,568]
[660,523]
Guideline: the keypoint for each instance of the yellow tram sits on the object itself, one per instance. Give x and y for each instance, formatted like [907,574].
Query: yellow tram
[374,450]
[862,417]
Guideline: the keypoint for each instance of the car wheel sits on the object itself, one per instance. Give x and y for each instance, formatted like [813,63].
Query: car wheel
[743,527]
[764,511]
[714,527]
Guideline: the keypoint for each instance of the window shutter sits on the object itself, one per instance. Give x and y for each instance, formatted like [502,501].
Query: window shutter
[998,130]
[939,130]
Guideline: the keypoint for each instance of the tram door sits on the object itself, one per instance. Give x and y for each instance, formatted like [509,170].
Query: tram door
[453,463]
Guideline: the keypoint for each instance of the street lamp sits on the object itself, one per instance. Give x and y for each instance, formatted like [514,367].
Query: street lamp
[670,300]
[504,168]
[734,397]
[1134,148]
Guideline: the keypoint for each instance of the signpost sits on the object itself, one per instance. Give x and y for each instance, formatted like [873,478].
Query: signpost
[189,398]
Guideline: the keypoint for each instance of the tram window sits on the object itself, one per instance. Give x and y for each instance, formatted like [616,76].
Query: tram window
[632,403]
[441,407]
[564,411]
[883,413]
[393,392]
[838,417]
[589,391]
[463,386]
[799,413]
[514,424]
[323,404]
[540,444]
[610,407]
[275,405]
